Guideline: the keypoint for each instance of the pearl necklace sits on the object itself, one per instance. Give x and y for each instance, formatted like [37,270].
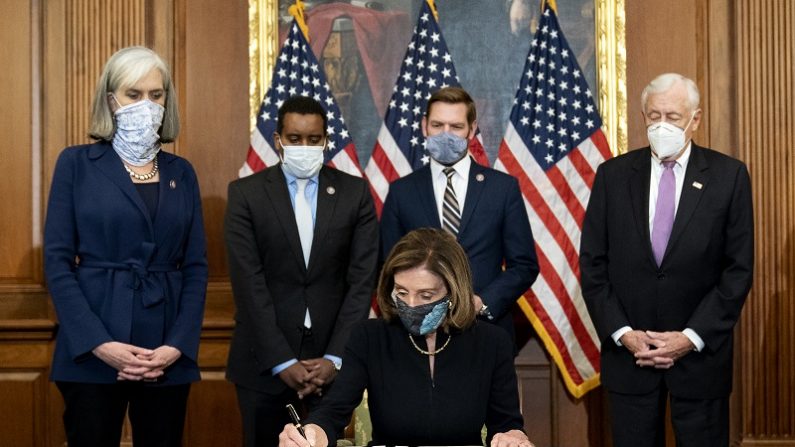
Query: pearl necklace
[421,351]
[143,177]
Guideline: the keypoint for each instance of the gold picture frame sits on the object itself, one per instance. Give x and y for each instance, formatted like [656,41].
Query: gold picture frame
[609,43]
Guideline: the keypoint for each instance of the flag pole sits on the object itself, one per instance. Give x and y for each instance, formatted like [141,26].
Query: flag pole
[297,11]
[433,10]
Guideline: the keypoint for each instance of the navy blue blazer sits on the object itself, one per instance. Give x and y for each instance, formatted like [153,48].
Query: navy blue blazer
[494,230]
[113,273]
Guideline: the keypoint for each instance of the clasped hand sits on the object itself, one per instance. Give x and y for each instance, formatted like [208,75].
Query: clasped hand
[136,363]
[657,349]
[309,376]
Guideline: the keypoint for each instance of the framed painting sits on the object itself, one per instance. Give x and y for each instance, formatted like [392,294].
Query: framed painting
[488,41]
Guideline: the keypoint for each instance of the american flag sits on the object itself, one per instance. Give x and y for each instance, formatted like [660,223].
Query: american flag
[400,146]
[553,145]
[297,72]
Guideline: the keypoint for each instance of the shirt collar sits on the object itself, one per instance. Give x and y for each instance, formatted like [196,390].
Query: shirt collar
[681,161]
[461,167]
[291,179]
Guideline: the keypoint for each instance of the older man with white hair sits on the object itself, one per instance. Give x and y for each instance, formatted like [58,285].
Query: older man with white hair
[667,261]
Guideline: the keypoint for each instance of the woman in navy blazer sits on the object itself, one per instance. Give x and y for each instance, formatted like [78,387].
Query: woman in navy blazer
[125,260]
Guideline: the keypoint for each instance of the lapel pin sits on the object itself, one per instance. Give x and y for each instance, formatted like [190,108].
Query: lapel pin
[480,177]
[172,184]
[331,190]
[697,185]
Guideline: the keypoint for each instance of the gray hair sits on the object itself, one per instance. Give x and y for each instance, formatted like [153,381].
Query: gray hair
[664,82]
[125,68]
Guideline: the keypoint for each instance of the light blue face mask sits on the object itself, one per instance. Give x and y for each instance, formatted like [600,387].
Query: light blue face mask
[446,148]
[422,319]
[136,139]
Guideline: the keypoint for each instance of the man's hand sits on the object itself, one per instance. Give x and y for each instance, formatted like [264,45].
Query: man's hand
[296,376]
[635,341]
[121,357]
[668,348]
[321,371]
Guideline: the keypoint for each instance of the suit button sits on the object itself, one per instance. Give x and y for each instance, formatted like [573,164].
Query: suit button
[661,276]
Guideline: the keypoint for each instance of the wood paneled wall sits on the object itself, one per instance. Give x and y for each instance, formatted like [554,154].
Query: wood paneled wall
[740,53]
[766,127]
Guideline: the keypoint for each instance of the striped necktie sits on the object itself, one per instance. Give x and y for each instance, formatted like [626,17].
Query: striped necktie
[451,214]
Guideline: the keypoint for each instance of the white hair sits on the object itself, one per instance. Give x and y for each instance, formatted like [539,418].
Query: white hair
[124,68]
[664,82]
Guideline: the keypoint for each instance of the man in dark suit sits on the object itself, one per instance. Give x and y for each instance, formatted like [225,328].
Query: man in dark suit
[482,207]
[302,243]
[666,262]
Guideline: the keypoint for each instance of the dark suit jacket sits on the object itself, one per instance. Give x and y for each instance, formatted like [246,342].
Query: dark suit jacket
[137,281]
[273,287]
[494,229]
[702,283]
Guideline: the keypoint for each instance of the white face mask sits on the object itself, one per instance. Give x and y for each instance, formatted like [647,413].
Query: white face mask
[667,139]
[302,161]
[136,139]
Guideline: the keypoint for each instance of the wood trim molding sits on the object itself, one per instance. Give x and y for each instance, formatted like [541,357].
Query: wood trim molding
[765,32]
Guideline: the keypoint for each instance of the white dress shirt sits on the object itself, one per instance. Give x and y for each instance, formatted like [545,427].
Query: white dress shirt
[460,182]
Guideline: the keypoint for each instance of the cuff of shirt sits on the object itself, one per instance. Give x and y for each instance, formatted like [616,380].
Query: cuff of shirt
[282,366]
[617,334]
[334,359]
[697,341]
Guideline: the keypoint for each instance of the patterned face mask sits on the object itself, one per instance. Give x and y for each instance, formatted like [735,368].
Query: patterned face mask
[422,319]
[446,148]
[136,139]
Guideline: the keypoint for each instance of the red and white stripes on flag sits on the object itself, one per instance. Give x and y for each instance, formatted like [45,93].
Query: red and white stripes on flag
[553,145]
[297,72]
[400,146]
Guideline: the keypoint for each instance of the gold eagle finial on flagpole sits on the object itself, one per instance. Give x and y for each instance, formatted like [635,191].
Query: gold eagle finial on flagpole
[297,11]
[552,4]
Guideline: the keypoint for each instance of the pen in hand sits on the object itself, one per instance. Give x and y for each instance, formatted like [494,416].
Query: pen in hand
[296,419]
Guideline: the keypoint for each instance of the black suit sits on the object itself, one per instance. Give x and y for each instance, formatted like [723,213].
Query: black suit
[703,280]
[273,287]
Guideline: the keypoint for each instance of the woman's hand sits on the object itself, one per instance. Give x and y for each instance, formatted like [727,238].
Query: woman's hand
[513,438]
[291,437]
[161,358]
[121,356]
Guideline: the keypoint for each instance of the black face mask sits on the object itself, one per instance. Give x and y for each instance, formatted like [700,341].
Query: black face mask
[422,319]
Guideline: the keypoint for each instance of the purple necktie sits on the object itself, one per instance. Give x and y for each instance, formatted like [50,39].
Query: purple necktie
[664,211]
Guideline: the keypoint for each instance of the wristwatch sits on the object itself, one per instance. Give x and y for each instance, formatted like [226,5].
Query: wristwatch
[484,312]
[337,365]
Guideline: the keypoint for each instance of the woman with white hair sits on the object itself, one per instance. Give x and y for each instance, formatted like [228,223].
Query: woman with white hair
[125,261]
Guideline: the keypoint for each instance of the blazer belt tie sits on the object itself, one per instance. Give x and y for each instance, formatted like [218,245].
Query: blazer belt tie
[151,290]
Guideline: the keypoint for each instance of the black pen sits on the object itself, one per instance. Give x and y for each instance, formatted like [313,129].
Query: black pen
[296,419]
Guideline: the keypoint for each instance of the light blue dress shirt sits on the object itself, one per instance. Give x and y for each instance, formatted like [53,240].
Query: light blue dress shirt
[310,193]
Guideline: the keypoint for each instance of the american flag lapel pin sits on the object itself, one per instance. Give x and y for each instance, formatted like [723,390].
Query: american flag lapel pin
[697,185]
